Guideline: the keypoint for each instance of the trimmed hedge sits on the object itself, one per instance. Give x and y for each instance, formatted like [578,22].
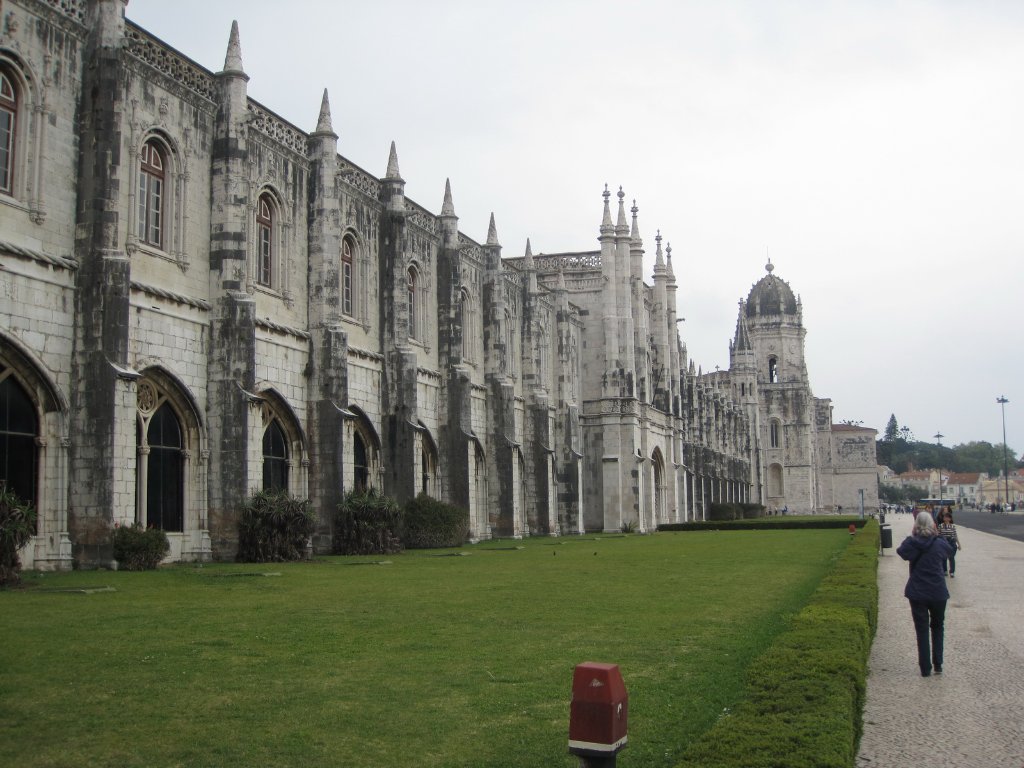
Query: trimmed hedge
[806,692]
[765,524]
[273,528]
[139,549]
[367,523]
[430,524]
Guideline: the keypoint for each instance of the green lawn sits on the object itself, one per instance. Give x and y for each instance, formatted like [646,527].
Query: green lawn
[422,660]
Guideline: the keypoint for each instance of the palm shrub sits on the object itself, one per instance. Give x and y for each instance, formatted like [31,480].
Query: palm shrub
[367,523]
[274,527]
[430,523]
[139,549]
[17,525]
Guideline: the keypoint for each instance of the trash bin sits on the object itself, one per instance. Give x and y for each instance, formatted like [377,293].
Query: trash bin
[886,536]
[881,518]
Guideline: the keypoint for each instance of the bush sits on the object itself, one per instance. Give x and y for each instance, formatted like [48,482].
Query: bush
[17,525]
[752,511]
[367,523]
[724,511]
[273,528]
[139,549]
[430,523]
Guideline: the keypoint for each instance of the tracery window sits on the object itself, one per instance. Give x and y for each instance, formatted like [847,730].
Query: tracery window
[8,131]
[347,276]
[774,434]
[19,428]
[152,177]
[468,327]
[773,370]
[265,240]
[275,458]
[165,471]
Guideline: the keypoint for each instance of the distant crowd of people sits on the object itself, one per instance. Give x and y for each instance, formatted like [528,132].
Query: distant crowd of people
[993,508]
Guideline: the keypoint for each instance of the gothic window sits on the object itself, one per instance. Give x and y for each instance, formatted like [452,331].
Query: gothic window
[19,428]
[165,471]
[428,465]
[152,178]
[773,370]
[413,304]
[774,430]
[659,486]
[510,346]
[265,240]
[275,458]
[8,131]
[347,275]
[468,329]
[360,466]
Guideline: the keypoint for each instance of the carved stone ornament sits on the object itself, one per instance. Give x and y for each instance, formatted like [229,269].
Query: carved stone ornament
[147,397]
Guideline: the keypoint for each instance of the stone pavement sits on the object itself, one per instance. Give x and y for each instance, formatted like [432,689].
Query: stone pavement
[972,716]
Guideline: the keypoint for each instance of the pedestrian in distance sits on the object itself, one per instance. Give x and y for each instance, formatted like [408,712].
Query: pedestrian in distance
[926,590]
[948,532]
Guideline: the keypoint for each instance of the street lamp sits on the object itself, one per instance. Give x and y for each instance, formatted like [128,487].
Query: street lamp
[938,441]
[1006,467]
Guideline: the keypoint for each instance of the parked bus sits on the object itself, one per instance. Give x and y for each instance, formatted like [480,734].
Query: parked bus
[935,506]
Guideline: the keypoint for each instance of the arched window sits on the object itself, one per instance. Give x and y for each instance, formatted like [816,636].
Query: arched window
[265,240]
[413,308]
[19,428]
[164,471]
[774,433]
[773,370]
[428,465]
[151,194]
[468,330]
[8,131]
[275,458]
[347,275]
[360,465]
[659,486]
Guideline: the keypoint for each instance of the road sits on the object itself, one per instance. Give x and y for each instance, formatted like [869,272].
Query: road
[1010,525]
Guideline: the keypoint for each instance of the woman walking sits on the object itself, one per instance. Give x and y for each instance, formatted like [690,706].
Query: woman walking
[926,590]
[948,532]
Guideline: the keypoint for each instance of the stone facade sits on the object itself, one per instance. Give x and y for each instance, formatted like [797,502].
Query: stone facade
[199,300]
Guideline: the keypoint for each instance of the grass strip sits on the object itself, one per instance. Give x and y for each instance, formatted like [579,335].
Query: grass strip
[805,694]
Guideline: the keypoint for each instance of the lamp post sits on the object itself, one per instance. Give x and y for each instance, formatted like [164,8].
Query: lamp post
[938,441]
[1006,467]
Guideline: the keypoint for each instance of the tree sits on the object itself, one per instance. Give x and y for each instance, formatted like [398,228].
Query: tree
[892,430]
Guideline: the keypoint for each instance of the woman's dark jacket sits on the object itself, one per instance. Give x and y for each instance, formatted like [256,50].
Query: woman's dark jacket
[927,583]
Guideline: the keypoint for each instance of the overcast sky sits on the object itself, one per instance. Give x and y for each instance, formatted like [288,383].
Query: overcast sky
[874,150]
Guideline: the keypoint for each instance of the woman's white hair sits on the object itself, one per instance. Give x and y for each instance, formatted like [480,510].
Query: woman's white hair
[924,525]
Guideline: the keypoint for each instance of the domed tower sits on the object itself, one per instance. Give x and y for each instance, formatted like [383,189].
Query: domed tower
[786,455]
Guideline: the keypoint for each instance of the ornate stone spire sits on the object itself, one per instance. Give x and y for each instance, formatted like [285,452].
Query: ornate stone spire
[606,222]
[635,232]
[233,59]
[659,259]
[323,123]
[668,260]
[447,207]
[529,255]
[620,225]
[492,232]
[392,172]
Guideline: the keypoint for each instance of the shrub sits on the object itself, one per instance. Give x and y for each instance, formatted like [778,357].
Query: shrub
[17,525]
[367,523]
[139,549]
[274,527]
[724,511]
[751,511]
[430,523]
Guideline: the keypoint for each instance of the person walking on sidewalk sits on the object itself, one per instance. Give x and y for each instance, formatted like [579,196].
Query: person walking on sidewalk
[926,589]
[948,532]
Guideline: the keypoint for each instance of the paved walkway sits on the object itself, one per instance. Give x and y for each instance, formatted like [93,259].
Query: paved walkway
[973,715]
